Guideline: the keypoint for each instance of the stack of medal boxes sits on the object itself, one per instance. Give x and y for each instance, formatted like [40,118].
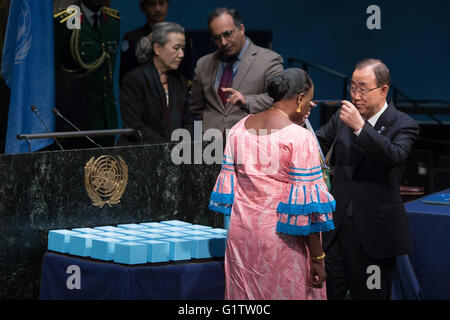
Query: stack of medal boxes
[151,242]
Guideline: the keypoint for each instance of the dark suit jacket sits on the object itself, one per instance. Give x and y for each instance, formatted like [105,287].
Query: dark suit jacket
[143,110]
[366,180]
[86,97]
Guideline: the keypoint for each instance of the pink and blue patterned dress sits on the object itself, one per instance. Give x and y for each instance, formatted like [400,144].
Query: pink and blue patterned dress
[272,188]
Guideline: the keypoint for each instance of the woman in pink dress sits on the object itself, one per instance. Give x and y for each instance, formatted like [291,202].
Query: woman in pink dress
[272,188]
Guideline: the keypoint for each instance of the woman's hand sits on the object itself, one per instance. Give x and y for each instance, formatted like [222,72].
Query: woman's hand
[317,258]
[318,274]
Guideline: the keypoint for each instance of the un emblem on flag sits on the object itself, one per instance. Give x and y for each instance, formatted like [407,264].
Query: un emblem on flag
[105,180]
[24,36]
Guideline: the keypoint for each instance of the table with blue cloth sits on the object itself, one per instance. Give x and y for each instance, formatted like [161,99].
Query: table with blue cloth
[425,273]
[191,280]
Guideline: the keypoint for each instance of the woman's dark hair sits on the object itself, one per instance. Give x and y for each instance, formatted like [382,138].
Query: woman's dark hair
[288,84]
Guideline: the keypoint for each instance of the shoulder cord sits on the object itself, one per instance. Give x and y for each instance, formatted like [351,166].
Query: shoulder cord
[74,49]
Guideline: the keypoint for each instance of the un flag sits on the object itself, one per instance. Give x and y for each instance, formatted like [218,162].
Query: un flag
[28,69]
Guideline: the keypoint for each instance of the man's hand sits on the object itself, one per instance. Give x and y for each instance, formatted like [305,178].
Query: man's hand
[235,97]
[350,116]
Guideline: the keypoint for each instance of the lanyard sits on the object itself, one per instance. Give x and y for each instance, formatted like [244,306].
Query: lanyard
[323,161]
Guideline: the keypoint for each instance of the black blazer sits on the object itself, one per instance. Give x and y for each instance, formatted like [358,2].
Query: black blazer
[366,180]
[142,106]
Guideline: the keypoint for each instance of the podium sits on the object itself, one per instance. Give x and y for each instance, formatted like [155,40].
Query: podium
[44,191]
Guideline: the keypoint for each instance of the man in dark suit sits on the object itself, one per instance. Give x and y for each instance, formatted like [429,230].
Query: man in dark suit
[231,82]
[372,141]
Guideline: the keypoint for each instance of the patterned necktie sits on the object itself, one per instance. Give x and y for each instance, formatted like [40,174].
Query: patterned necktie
[226,80]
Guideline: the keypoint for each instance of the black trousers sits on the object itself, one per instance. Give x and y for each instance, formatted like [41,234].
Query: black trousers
[349,268]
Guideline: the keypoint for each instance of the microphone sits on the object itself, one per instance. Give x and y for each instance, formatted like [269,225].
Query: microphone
[35,110]
[57,113]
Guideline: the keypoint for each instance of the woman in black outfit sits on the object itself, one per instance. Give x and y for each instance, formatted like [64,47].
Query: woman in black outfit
[154,96]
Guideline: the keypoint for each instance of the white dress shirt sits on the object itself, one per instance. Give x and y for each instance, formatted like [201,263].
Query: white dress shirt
[89,14]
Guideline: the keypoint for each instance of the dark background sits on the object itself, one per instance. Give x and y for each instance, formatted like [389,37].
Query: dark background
[414,41]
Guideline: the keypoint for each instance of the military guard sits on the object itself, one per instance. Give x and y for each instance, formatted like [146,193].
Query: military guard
[85,55]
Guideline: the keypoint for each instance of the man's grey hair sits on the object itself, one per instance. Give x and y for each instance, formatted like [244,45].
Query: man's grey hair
[145,47]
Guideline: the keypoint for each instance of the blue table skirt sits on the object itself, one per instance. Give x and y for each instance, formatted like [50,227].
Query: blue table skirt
[108,281]
[425,273]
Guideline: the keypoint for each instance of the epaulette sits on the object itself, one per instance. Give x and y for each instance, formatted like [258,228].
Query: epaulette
[62,15]
[111,12]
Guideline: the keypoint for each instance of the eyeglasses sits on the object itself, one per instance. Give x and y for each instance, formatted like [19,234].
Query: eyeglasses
[361,91]
[226,35]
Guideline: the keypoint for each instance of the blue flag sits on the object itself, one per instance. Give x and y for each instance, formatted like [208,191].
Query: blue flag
[29,70]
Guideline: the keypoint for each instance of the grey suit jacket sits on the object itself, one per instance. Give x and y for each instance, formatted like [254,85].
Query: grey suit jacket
[257,66]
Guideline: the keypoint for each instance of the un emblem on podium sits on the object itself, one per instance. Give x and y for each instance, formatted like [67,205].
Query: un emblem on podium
[105,180]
